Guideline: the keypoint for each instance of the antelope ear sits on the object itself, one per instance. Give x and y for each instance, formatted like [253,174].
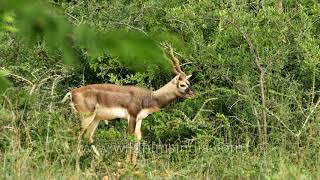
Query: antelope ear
[176,79]
[189,76]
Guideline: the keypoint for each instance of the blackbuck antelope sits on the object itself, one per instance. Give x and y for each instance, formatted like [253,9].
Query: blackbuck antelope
[97,102]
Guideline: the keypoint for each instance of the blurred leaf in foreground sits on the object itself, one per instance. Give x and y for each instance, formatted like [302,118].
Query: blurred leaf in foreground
[4,82]
[6,20]
[135,50]
[37,21]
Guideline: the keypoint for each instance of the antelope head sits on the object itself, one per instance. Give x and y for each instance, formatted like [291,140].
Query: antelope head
[182,86]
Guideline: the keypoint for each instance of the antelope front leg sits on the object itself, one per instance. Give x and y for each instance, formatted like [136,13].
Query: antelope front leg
[131,131]
[137,133]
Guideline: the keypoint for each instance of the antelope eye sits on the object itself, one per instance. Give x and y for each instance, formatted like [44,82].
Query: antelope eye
[183,85]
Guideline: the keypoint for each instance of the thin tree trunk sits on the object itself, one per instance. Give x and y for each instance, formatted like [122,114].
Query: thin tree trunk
[261,83]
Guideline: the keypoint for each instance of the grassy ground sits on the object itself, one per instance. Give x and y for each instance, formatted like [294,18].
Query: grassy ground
[37,141]
[56,160]
[238,164]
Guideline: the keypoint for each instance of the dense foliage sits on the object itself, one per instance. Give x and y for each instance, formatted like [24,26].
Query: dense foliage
[255,67]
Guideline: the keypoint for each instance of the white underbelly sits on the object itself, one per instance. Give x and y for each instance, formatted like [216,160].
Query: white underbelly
[106,113]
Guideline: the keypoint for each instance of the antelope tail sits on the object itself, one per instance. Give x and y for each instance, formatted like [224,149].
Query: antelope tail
[66,97]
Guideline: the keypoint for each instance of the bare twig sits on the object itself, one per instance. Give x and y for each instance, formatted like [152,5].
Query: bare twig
[55,81]
[255,113]
[44,80]
[313,86]
[308,117]
[33,86]
[131,27]
[73,17]
[203,106]
[187,63]
[292,97]
[278,119]
[304,124]
[18,77]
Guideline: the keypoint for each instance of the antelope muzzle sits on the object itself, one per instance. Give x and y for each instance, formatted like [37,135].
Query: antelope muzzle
[190,92]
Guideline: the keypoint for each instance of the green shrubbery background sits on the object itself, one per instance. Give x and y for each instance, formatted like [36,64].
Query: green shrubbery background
[47,49]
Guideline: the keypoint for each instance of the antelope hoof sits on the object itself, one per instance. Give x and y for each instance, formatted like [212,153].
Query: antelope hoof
[95,150]
[132,160]
[80,152]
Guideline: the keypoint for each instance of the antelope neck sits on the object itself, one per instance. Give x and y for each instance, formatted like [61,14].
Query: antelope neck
[165,94]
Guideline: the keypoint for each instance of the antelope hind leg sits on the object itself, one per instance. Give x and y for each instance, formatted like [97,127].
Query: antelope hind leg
[85,122]
[89,134]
